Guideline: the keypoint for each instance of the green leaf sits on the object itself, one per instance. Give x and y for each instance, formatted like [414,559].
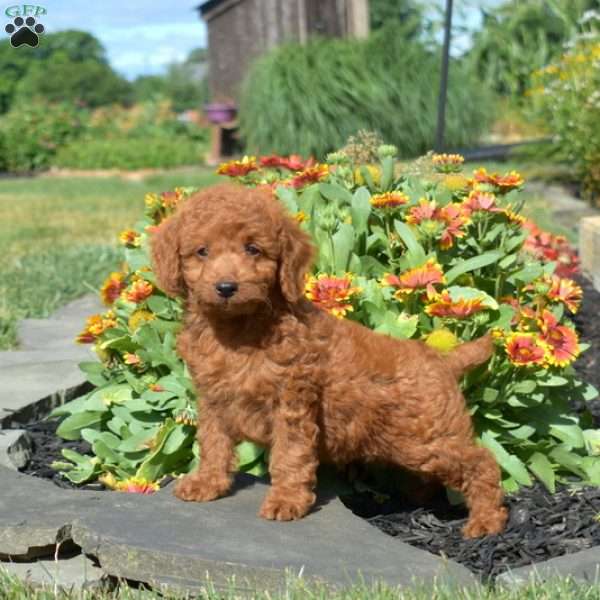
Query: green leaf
[569,460]
[402,326]
[289,198]
[509,462]
[178,438]
[94,372]
[525,386]
[69,429]
[361,209]
[415,251]
[248,453]
[542,468]
[387,172]
[159,305]
[343,242]
[138,441]
[335,193]
[472,264]
[592,441]
[569,434]
[105,453]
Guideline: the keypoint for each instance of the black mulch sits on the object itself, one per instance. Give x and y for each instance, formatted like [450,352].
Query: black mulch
[541,525]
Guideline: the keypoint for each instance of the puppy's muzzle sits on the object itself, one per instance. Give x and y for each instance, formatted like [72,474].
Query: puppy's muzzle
[226,289]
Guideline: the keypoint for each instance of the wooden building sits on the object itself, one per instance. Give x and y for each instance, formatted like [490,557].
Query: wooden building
[241,30]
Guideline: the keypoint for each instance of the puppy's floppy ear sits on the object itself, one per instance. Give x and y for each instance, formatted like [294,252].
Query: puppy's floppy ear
[165,257]
[295,259]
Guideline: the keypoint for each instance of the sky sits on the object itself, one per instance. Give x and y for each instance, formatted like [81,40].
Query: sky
[142,37]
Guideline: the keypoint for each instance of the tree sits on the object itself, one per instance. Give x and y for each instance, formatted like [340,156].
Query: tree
[389,12]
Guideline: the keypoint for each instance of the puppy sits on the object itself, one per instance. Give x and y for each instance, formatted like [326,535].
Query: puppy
[272,368]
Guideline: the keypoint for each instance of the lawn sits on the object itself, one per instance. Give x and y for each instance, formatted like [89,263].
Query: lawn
[58,237]
[297,589]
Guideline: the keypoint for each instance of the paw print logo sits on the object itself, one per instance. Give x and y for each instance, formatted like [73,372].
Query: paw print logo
[24,31]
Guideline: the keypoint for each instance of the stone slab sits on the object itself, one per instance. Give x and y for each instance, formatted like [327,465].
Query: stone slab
[73,573]
[583,566]
[15,448]
[173,545]
[79,310]
[30,390]
[589,248]
[76,354]
[48,334]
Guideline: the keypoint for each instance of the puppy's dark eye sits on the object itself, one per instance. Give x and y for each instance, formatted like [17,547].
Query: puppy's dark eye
[202,252]
[252,250]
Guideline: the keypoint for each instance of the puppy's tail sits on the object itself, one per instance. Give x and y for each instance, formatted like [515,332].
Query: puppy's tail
[470,354]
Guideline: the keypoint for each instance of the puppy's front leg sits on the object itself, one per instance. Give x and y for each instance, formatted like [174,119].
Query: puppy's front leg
[293,457]
[213,477]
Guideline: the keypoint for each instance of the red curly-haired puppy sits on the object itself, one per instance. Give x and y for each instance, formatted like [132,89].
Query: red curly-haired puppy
[272,368]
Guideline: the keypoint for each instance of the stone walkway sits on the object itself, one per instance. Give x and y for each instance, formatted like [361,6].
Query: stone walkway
[71,538]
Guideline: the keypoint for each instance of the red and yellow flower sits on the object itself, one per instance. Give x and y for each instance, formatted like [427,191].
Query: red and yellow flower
[444,306]
[525,349]
[447,163]
[389,200]
[293,162]
[170,200]
[112,287]
[138,292]
[130,238]
[561,341]
[138,318]
[132,359]
[423,278]
[132,485]
[504,183]
[310,175]
[565,291]
[238,168]
[96,325]
[551,248]
[479,200]
[333,294]
[448,220]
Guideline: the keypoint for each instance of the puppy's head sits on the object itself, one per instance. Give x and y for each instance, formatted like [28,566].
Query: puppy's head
[229,249]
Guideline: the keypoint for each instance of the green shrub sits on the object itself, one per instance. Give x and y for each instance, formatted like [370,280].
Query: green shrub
[309,99]
[427,254]
[31,134]
[565,97]
[130,153]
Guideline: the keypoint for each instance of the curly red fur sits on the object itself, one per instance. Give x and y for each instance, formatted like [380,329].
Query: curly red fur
[272,368]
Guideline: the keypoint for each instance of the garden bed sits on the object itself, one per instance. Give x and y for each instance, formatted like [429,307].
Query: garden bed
[541,525]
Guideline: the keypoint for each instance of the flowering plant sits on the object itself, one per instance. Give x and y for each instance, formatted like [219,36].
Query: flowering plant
[425,252]
[566,97]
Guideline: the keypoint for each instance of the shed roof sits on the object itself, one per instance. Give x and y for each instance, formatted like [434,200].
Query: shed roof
[207,6]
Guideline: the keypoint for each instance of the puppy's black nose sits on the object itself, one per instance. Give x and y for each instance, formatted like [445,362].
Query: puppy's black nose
[226,289]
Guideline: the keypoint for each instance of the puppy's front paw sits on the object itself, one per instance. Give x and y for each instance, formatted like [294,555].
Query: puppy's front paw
[279,508]
[194,488]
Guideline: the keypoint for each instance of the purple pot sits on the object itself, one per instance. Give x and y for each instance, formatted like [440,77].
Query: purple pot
[218,113]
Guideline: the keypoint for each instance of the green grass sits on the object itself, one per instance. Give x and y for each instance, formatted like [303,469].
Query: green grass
[298,589]
[58,237]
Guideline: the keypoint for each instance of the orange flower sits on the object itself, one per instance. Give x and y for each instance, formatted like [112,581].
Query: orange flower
[137,485]
[95,325]
[444,306]
[389,200]
[454,218]
[565,291]
[561,341]
[333,294]
[424,212]
[138,292]
[130,238]
[301,216]
[238,168]
[132,359]
[514,217]
[293,162]
[505,183]
[480,201]
[424,277]
[156,387]
[447,163]
[450,219]
[171,199]
[525,349]
[310,175]
[112,287]
[551,248]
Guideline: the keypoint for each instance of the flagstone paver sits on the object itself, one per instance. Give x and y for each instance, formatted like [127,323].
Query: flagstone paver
[15,448]
[162,541]
[44,371]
